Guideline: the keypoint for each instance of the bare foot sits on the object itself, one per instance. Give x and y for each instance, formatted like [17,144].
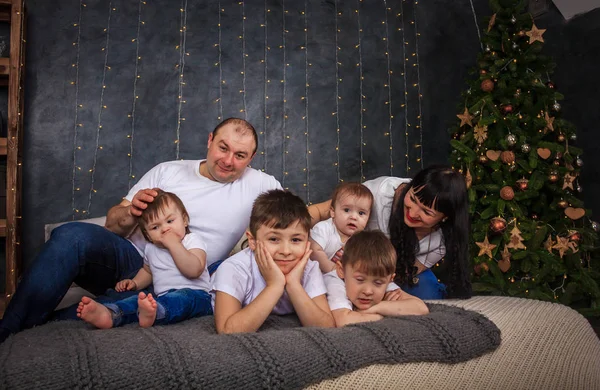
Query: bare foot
[94,313]
[146,310]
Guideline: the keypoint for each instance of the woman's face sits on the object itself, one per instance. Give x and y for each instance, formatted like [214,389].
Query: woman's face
[417,215]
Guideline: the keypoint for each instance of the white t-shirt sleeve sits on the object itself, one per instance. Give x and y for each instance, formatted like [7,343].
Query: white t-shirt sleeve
[232,279]
[152,179]
[321,234]
[383,189]
[336,292]
[391,287]
[193,241]
[313,280]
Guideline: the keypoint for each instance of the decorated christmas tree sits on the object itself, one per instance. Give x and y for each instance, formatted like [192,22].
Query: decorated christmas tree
[531,235]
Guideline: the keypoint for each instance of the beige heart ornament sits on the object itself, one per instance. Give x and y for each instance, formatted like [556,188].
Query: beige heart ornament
[574,213]
[544,153]
[493,154]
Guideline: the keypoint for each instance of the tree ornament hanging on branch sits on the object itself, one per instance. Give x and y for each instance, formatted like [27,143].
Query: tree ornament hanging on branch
[516,241]
[507,157]
[498,225]
[491,23]
[493,155]
[504,264]
[525,148]
[480,133]
[561,138]
[485,248]
[468,179]
[523,184]
[574,213]
[549,244]
[535,34]
[549,123]
[511,139]
[483,159]
[562,245]
[507,193]
[544,153]
[556,106]
[465,118]
[595,226]
[563,204]
[550,85]
[507,109]
[568,181]
[487,85]
[553,177]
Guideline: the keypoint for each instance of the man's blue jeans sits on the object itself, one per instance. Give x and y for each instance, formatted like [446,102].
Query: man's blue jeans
[87,254]
[172,307]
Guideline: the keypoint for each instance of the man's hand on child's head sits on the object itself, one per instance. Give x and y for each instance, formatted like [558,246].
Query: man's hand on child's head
[295,275]
[394,295]
[267,267]
[140,201]
[125,285]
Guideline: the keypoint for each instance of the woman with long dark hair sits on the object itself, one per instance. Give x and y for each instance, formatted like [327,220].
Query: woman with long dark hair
[427,221]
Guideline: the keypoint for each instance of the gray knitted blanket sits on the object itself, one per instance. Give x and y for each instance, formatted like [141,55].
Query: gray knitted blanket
[69,354]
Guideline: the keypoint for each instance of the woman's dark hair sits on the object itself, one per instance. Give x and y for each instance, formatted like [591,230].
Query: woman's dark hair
[444,190]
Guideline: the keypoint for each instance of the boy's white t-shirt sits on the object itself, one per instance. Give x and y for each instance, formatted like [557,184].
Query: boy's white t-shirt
[166,275]
[326,235]
[219,212]
[431,247]
[240,277]
[336,291]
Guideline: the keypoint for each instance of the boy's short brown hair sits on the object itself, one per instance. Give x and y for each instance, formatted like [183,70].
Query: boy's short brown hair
[352,189]
[372,251]
[278,209]
[159,203]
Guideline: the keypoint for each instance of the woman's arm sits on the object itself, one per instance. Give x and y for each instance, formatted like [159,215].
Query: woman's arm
[345,317]
[319,212]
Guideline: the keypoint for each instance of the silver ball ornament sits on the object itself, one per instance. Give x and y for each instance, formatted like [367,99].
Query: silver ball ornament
[525,148]
[515,46]
[487,49]
[596,226]
[511,140]
[513,20]
[579,188]
[573,137]
[512,167]
[579,162]
[556,106]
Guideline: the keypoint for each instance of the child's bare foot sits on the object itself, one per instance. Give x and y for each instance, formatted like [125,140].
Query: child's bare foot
[94,313]
[146,310]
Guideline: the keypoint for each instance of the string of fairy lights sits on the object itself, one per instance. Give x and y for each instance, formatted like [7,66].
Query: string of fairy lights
[266,78]
[244,55]
[337,93]
[404,75]
[105,49]
[305,98]
[135,97]
[284,113]
[362,96]
[221,81]
[76,124]
[181,66]
[389,87]
[418,86]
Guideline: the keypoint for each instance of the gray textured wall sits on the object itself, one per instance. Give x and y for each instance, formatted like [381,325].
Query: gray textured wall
[67,176]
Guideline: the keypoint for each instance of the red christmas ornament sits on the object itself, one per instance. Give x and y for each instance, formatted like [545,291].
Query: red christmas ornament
[522,184]
[498,224]
[550,85]
[487,85]
[575,236]
[483,71]
[507,109]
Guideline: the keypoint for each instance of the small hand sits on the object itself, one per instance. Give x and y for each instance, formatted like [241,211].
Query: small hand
[168,239]
[394,295]
[267,267]
[337,257]
[295,275]
[140,201]
[125,285]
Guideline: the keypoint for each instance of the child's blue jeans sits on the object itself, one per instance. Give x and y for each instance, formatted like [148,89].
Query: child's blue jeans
[172,307]
[427,287]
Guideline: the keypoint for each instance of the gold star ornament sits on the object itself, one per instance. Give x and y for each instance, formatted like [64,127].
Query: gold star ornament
[568,181]
[562,245]
[535,34]
[465,118]
[549,244]
[485,248]
[480,133]
[549,123]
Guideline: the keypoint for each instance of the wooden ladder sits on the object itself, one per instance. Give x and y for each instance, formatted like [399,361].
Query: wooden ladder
[11,75]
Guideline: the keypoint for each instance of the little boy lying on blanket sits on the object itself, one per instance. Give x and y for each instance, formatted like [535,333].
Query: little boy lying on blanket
[360,288]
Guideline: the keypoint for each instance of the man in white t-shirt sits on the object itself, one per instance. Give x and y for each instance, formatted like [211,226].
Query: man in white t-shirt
[218,193]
